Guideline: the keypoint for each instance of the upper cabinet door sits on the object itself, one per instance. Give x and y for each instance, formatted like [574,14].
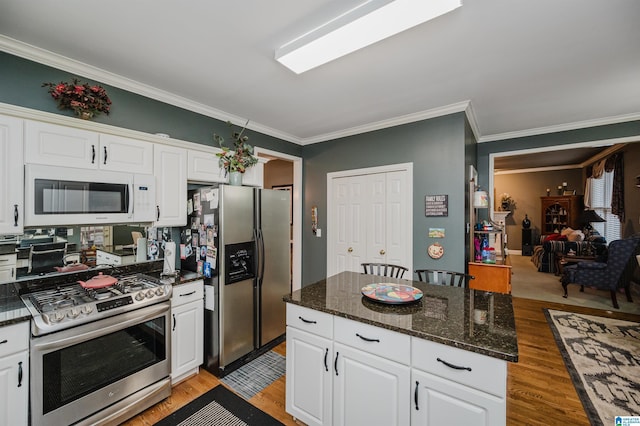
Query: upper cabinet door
[254,176]
[11,176]
[125,154]
[55,145]
[204,167]
[170,170]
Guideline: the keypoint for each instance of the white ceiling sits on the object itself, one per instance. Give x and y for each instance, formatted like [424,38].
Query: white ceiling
[524,67]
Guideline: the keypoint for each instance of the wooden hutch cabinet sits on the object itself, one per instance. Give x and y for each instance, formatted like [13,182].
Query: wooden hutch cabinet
[559,212]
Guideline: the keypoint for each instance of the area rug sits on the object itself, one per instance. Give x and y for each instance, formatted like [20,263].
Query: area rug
[602,356]
[219,407]
[256,375]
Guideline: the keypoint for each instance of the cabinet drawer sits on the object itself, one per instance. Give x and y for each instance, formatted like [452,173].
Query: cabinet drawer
[14,338]
[189,292]
[486,373]
[8,260]
[316,322]
[375,340]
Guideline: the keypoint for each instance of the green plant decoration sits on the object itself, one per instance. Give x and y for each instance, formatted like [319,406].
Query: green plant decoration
[241,157]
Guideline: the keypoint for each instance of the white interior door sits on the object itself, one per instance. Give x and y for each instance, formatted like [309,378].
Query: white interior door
[398,224]
[369,217]
[348,215]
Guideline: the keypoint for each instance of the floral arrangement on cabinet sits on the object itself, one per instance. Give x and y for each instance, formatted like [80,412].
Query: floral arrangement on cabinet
[84,99]
[241,157]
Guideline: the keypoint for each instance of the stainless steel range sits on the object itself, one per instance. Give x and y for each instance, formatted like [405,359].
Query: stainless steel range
[100,349]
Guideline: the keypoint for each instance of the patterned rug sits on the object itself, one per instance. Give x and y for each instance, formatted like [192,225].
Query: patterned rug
[220,407]
[256,375]
[602,356]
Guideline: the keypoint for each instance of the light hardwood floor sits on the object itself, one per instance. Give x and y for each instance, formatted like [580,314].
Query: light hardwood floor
[540,391]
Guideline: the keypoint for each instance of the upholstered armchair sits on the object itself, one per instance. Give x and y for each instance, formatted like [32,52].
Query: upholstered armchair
[604,275]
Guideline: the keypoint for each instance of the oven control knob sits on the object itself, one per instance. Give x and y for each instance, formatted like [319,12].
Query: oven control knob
[73,313]
[57,316]
[87,309]
[159,291]
[150,294]
[140,296]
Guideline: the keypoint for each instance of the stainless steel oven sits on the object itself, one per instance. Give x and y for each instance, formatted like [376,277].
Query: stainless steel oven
[103,371]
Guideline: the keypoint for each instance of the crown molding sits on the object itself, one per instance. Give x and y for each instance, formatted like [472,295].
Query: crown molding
[561,127]
[396,121]
[45,57]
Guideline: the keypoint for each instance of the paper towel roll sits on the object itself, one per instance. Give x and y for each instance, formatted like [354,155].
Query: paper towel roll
[141,250]
[169,264]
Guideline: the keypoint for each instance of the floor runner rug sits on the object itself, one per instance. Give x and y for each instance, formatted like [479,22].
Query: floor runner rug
[602,356]
[256,375]
[219,407]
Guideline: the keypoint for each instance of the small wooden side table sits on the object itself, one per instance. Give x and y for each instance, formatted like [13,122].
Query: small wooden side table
[562,259]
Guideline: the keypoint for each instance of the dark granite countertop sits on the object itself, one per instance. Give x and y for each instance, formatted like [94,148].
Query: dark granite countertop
[12,310]
[121,251]
[182,277]
[444,315]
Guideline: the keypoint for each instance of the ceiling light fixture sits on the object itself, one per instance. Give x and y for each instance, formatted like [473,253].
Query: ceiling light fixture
[366,24]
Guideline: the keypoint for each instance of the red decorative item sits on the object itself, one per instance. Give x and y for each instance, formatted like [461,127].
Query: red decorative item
[99,281]
[84,99]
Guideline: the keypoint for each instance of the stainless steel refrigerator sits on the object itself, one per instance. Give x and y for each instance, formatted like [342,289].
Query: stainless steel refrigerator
[250,268]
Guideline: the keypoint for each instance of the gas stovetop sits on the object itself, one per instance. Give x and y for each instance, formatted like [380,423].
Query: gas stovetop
[71,304]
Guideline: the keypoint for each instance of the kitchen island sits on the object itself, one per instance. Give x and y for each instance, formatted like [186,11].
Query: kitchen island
[442,360]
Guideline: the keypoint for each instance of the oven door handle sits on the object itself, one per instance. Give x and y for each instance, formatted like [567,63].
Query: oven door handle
[106,326]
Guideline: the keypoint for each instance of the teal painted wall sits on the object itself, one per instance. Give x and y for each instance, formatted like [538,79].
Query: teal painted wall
[438,152]
[21,81]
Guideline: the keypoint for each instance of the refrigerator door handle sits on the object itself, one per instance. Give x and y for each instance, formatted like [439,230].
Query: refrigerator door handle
[262,258]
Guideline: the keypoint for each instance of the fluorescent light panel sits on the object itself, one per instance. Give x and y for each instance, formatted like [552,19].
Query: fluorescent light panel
[366,24]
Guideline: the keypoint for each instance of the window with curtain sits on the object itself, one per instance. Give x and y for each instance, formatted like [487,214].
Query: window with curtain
[600,191]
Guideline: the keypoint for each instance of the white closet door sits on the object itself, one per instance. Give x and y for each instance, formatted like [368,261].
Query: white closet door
[370,220]
[349,218]
[376,185]
[398,220]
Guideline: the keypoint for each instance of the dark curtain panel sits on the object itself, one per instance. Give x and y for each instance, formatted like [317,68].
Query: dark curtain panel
[617,197]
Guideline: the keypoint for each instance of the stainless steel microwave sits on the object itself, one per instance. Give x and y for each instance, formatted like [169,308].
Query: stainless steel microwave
[67,196]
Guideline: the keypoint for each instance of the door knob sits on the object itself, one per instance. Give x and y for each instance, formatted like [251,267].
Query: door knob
[382,252]
[350,249]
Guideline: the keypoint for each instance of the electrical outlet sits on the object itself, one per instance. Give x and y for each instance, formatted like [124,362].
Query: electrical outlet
[318,233]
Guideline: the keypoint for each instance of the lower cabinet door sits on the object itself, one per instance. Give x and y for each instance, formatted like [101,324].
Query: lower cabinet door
[309,375]
[14,389]
[437,401]
[187,334]
[368,389]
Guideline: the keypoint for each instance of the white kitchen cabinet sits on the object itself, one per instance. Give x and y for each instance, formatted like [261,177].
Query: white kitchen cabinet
[187,329]
[344,372]
[203,167]
[254,176]
[341,372]
[11,176]
[52,144]
[125,154]
[14,374]
[309,377]
[456,387]
[369,389]
[55,145]
[170,170]
[8,268]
